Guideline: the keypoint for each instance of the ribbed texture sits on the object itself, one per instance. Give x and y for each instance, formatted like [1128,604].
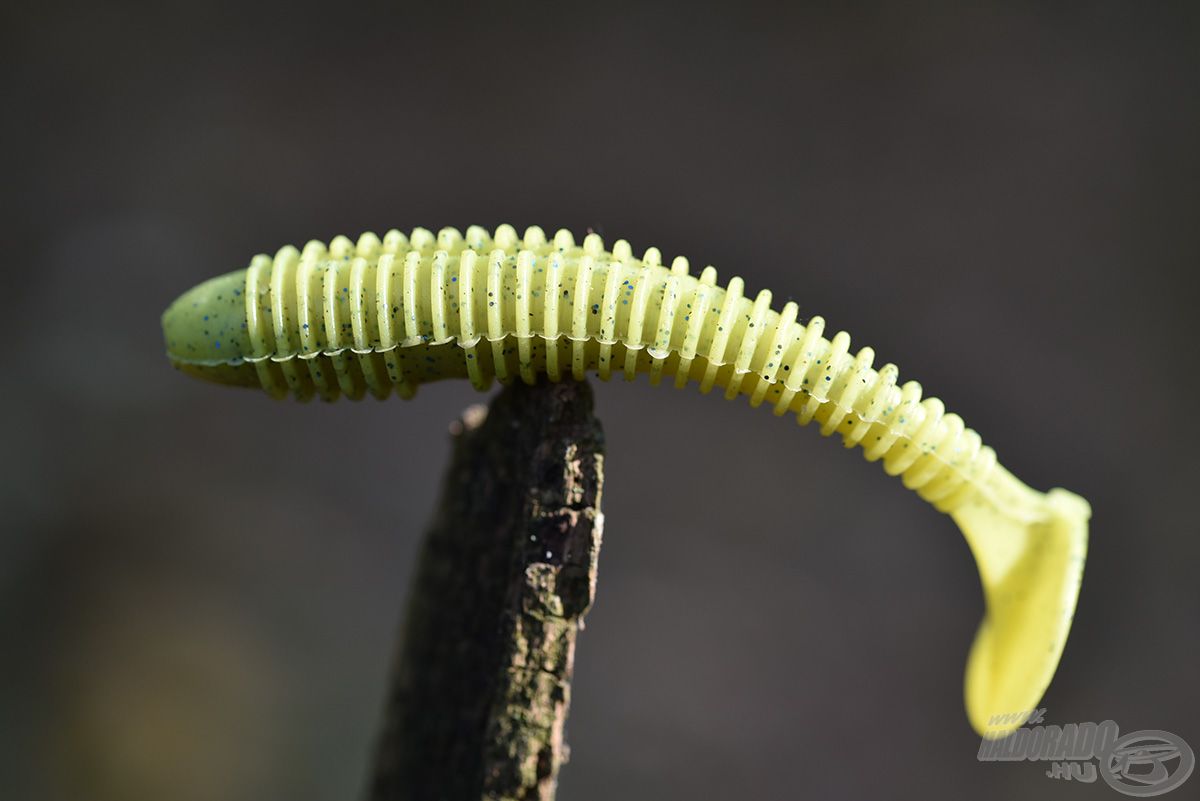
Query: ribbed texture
[356,318]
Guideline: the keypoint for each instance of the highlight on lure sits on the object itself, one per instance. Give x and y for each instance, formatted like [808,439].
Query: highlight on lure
[373,316]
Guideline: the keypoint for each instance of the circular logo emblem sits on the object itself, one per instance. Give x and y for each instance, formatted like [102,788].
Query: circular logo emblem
[1148,762]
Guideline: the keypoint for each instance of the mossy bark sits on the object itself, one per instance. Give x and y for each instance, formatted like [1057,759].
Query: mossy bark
[482,683]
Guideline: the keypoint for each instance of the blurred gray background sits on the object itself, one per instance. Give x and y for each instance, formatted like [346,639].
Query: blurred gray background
[200,588]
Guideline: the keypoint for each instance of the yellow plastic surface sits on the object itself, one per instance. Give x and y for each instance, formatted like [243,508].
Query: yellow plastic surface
[373,316]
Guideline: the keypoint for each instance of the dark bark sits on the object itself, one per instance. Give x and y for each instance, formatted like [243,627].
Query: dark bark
[481,686]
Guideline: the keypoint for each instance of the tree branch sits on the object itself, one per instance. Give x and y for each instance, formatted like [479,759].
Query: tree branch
[481,687]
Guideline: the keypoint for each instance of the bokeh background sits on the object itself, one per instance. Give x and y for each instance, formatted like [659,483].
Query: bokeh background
[200,588]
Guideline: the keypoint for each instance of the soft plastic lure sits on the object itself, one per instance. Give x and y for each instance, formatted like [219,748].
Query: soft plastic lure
[363,318]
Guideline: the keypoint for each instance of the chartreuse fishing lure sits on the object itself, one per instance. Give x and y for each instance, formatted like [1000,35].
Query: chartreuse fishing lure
[367,317]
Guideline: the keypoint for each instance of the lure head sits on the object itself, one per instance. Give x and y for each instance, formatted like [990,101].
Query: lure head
[205,331]
[1031,568]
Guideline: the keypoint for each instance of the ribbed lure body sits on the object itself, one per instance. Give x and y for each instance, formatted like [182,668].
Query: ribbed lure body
[373,316]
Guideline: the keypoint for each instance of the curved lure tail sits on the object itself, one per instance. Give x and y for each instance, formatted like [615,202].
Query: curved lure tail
[1030,548]
[381,315]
